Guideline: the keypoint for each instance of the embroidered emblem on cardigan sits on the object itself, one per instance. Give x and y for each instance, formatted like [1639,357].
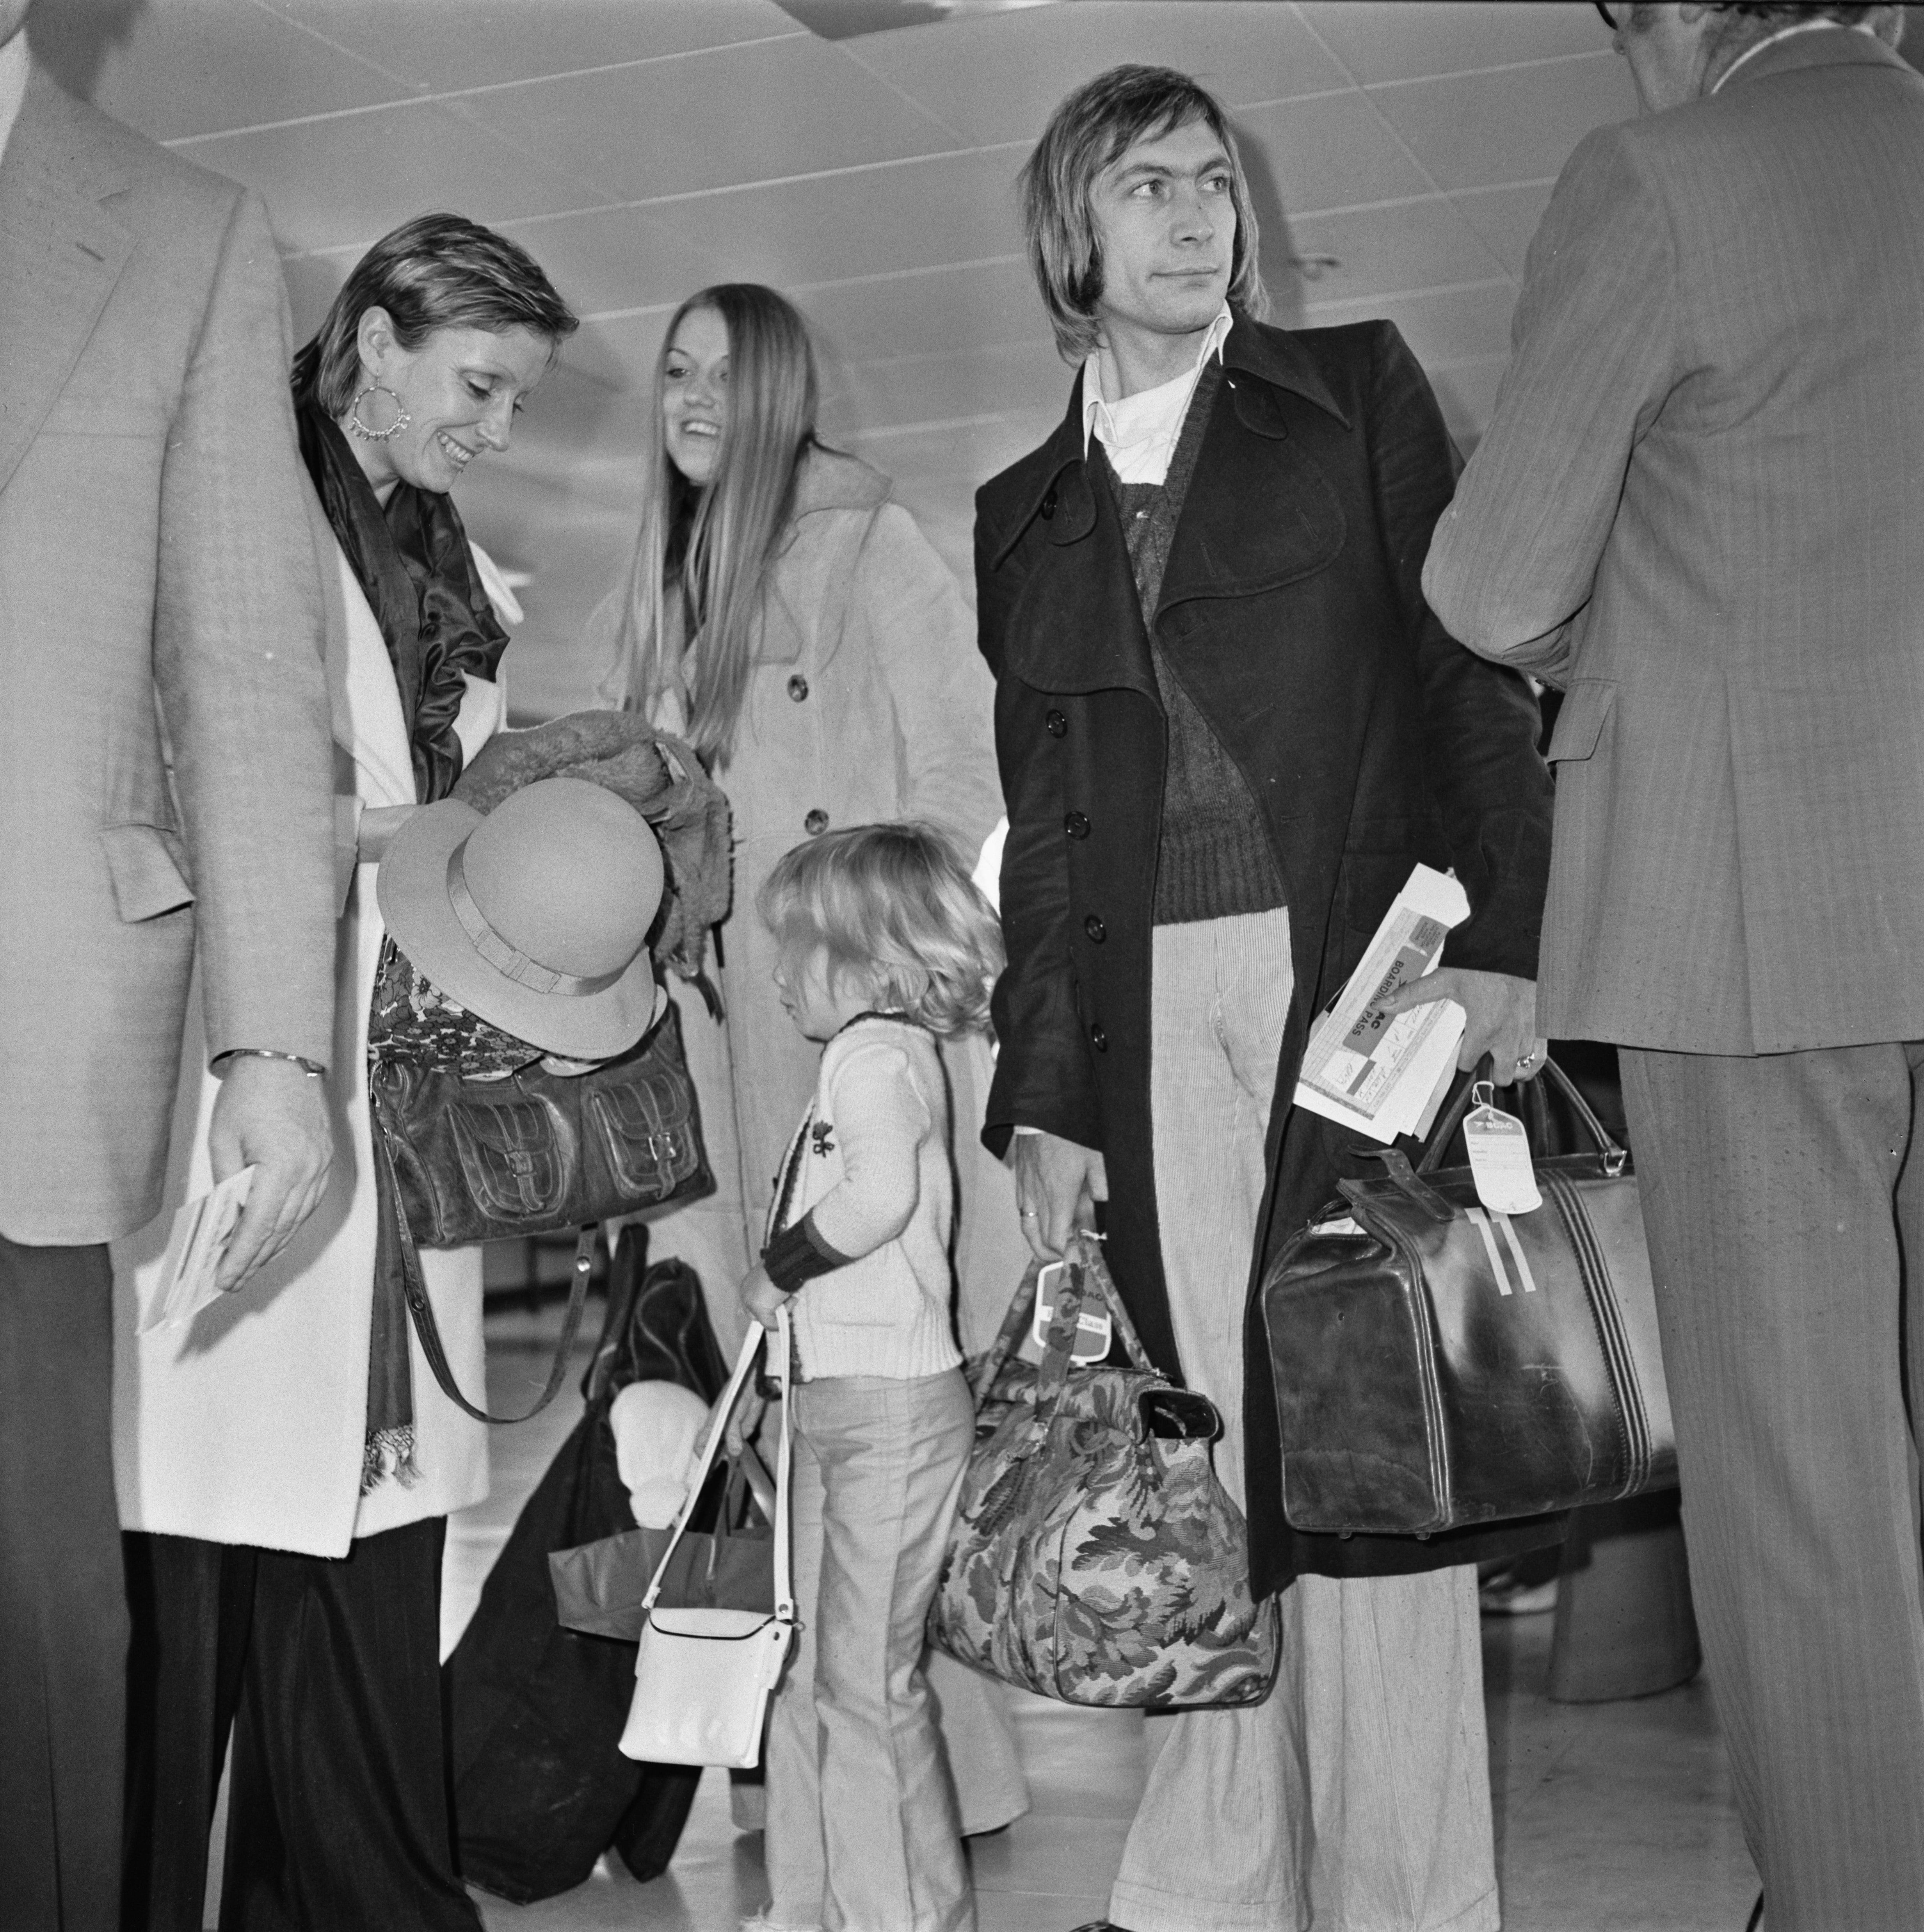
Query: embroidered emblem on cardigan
[819,1136]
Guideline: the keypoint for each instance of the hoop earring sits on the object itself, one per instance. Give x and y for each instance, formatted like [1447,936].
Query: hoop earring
[361,429]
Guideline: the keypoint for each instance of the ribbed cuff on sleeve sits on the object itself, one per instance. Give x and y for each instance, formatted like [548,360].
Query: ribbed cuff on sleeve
[798,1254]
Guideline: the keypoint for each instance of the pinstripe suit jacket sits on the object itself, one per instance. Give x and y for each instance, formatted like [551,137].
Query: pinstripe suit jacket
[1700,508]
[166,770]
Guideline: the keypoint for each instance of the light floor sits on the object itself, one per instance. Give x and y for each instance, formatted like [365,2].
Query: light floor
[1610,1818]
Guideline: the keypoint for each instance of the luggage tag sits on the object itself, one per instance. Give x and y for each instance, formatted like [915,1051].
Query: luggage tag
[1499,1156]
[1094,1330]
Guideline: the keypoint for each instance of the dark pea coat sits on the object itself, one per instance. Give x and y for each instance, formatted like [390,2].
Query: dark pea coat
[1292,608]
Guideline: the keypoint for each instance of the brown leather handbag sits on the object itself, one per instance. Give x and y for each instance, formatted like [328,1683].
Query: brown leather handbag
[1438,1366]
[534,1154]
[537,1153]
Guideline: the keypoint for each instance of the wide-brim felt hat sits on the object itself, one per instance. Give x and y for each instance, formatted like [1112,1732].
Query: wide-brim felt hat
[534,917]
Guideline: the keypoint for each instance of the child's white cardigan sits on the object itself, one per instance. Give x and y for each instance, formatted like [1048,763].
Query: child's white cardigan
[871,1160]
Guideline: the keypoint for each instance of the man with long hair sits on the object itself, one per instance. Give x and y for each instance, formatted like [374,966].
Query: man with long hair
[1697,509]
[1228,728]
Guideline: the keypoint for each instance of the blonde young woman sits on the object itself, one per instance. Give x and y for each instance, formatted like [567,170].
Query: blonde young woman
[791,622]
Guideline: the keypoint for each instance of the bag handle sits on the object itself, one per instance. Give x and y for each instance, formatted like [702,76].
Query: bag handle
[422,1310]
[780,1350]
[1614,1155]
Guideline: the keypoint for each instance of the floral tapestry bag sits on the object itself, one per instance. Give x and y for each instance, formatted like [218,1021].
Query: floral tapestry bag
[1095,1557]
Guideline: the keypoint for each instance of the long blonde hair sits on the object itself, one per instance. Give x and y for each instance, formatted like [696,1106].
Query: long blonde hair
[713,546]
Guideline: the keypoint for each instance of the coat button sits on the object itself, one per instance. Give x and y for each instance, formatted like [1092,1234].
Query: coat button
[1098,1038]
[1096,930]
[1049,504]
[816,823]
[1056,724]
[1076,824]
[797,687]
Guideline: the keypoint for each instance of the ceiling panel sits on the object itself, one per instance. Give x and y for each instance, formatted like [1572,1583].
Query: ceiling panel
[1418,37]
[1382,251]
[996,78]
[349,179]
[191,67]
[970,305]
[792,106]
[1479,130]
[954,389]
[443,44]
[617,258]
[1505,218]
[1446,325]
[1332,151]
[619,350]
[917,215]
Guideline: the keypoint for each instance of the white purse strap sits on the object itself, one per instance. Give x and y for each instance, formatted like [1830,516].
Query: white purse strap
[780,1350]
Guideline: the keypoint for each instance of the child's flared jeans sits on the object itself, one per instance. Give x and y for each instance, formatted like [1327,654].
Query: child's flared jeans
[863,1835]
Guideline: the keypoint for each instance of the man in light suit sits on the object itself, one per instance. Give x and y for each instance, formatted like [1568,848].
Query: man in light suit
[165,783]
[1698,510]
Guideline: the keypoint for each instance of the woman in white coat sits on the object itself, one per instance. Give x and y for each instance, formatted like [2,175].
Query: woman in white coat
[288,1452]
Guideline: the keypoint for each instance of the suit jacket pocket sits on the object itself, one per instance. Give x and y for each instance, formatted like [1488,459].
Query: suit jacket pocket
[1587,705]
[149,866]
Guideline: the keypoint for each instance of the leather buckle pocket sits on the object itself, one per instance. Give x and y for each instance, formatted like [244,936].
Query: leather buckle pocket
[644,1128]
[516,1155]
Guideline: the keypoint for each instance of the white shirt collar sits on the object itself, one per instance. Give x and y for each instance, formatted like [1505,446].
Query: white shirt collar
[1785,34]
[1136,428]
[12,83]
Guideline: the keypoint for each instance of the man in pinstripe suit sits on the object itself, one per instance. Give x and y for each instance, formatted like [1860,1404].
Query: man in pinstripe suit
[1700,508]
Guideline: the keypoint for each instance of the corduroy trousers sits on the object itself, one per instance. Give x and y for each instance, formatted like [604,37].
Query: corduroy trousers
[1357,1797]
[864,1834]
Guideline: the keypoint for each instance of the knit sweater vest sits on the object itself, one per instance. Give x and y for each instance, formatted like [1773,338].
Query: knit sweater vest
[1215,859]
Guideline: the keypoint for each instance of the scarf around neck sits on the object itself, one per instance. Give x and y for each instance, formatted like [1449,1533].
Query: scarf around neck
[413,564]
[412,560]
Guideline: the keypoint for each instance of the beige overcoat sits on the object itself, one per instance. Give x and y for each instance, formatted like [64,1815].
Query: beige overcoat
[868,700]
[159,606]
[247,1424]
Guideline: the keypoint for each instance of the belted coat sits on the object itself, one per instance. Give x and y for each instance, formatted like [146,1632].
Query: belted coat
[1292,606]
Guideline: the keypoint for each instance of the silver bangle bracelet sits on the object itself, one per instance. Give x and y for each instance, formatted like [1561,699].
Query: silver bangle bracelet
[312,1069]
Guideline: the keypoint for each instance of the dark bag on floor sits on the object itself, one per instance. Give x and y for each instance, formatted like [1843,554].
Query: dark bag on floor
[599,1587]
[1438,1366]
[535,1711]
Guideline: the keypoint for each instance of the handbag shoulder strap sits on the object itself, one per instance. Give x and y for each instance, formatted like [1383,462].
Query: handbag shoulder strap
[780,1349]
[1009,1338]
[421,1310]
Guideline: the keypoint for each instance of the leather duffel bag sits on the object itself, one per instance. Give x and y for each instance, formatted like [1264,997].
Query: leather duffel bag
[1438,1366]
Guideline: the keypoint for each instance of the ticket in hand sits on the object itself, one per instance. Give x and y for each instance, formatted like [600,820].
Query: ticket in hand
[202,1229]
[1385,1073]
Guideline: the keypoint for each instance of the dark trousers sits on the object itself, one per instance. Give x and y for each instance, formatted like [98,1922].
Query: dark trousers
[1784,1200]
[329,1672]
[63,1605]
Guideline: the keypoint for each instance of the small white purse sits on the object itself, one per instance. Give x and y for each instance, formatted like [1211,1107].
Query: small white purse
[702,1677]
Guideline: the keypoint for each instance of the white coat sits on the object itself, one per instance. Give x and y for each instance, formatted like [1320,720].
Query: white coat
[247,1424]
